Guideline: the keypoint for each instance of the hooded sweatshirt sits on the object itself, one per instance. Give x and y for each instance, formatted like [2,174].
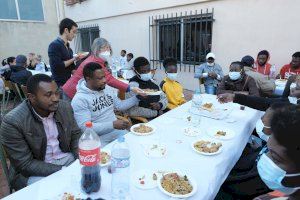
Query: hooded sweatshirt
[98,107]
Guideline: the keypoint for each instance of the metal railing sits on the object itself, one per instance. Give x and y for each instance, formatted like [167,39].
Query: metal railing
[184,36]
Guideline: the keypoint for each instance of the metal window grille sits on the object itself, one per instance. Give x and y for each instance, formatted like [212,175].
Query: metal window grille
[85,37]
[185,36]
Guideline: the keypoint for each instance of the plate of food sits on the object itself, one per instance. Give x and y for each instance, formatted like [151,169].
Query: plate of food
[177,185]
[145,179]
[151,91]
[191,131]
[207,106]
[221,133]
[105,158]
[155,150]
[142,129]
[207,147]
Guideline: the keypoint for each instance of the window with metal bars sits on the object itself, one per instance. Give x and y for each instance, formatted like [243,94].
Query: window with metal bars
[85,37]
[184,37]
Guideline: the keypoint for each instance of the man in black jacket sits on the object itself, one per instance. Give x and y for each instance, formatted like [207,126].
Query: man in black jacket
[261,103]
[40,136]
[60,54]
[19,73]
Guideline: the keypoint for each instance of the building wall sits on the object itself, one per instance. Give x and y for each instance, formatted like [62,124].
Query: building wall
[240,28]
[20,37]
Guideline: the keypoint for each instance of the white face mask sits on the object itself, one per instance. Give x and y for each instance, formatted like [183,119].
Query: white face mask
[273,175]
[210,64]
[105,53]
[146,77]
[234,75]
[259,129]
[172,76]
[293,100]
[293,85]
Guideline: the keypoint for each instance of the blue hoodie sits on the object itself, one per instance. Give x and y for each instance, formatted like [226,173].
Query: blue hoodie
[98,107]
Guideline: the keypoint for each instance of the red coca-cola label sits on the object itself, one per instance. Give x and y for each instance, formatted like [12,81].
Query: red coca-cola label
[89,157]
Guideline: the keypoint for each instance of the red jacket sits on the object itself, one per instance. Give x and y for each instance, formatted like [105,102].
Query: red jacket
[286,71]
[70,86]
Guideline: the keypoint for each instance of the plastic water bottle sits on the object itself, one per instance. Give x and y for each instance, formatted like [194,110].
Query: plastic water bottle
[89,157]
[197,99]
[120,162]
[272,72]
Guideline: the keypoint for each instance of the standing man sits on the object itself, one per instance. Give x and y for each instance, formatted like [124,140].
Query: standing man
[211,72]
[60,54]
[123,59]
[291,69]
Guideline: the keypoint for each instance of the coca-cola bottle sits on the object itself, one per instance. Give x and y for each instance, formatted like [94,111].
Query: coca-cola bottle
[89,157]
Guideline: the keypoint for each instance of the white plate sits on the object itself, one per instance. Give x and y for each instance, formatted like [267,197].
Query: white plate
[108,163]
[155,150]
[191,131]
[191,181]
[207,154]
[142,134]
[147,177]
[213,131]
[153,93]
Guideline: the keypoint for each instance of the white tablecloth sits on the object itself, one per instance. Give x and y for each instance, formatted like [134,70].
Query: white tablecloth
[34,72]
[209,171]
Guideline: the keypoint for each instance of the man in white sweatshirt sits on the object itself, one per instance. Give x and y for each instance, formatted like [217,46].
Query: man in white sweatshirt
[95,102]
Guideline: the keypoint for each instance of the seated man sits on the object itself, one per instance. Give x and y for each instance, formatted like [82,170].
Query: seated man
[237,81]
[210,72]
[170,86]
[251,176]
[291,69]
[19,73]
[95,102]
[40,136]
[265,85]
[150,106]
[261,103]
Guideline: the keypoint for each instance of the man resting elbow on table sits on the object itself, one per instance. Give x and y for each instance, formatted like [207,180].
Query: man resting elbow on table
[149,106]
[39,136]
[261,103]
[95,102]
[237,81]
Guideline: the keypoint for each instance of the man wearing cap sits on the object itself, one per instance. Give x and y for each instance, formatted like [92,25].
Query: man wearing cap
[210,72]
[19,73]
[266,87]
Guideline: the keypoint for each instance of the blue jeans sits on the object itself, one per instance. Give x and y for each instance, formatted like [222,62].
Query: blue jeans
[210,89]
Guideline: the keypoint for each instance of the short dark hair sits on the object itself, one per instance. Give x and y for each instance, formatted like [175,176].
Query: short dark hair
[130,54]
[8,60]
[285,126]
[169,61]
[238,63]
[34,81]
[296,54]
[124,51]
[139,62]
[66,23]
[90,68]
[264,52]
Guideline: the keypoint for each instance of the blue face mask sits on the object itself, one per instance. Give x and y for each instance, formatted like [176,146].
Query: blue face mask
[272,175]
[145,77]
[259,130]
[172,76]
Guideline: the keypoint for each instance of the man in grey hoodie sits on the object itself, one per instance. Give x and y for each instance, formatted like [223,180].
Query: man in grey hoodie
[95,102]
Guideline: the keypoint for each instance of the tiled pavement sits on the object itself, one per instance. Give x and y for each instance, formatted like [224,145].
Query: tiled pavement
[4,191]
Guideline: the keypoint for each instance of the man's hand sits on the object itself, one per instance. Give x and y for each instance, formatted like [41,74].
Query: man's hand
[212,75]
[225,98]
[155,106]
[120,124]
[138,91]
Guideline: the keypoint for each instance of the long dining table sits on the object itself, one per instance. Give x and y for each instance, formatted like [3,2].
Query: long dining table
[209,172]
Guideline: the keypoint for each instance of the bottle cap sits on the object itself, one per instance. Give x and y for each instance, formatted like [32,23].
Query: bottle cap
[89,124]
